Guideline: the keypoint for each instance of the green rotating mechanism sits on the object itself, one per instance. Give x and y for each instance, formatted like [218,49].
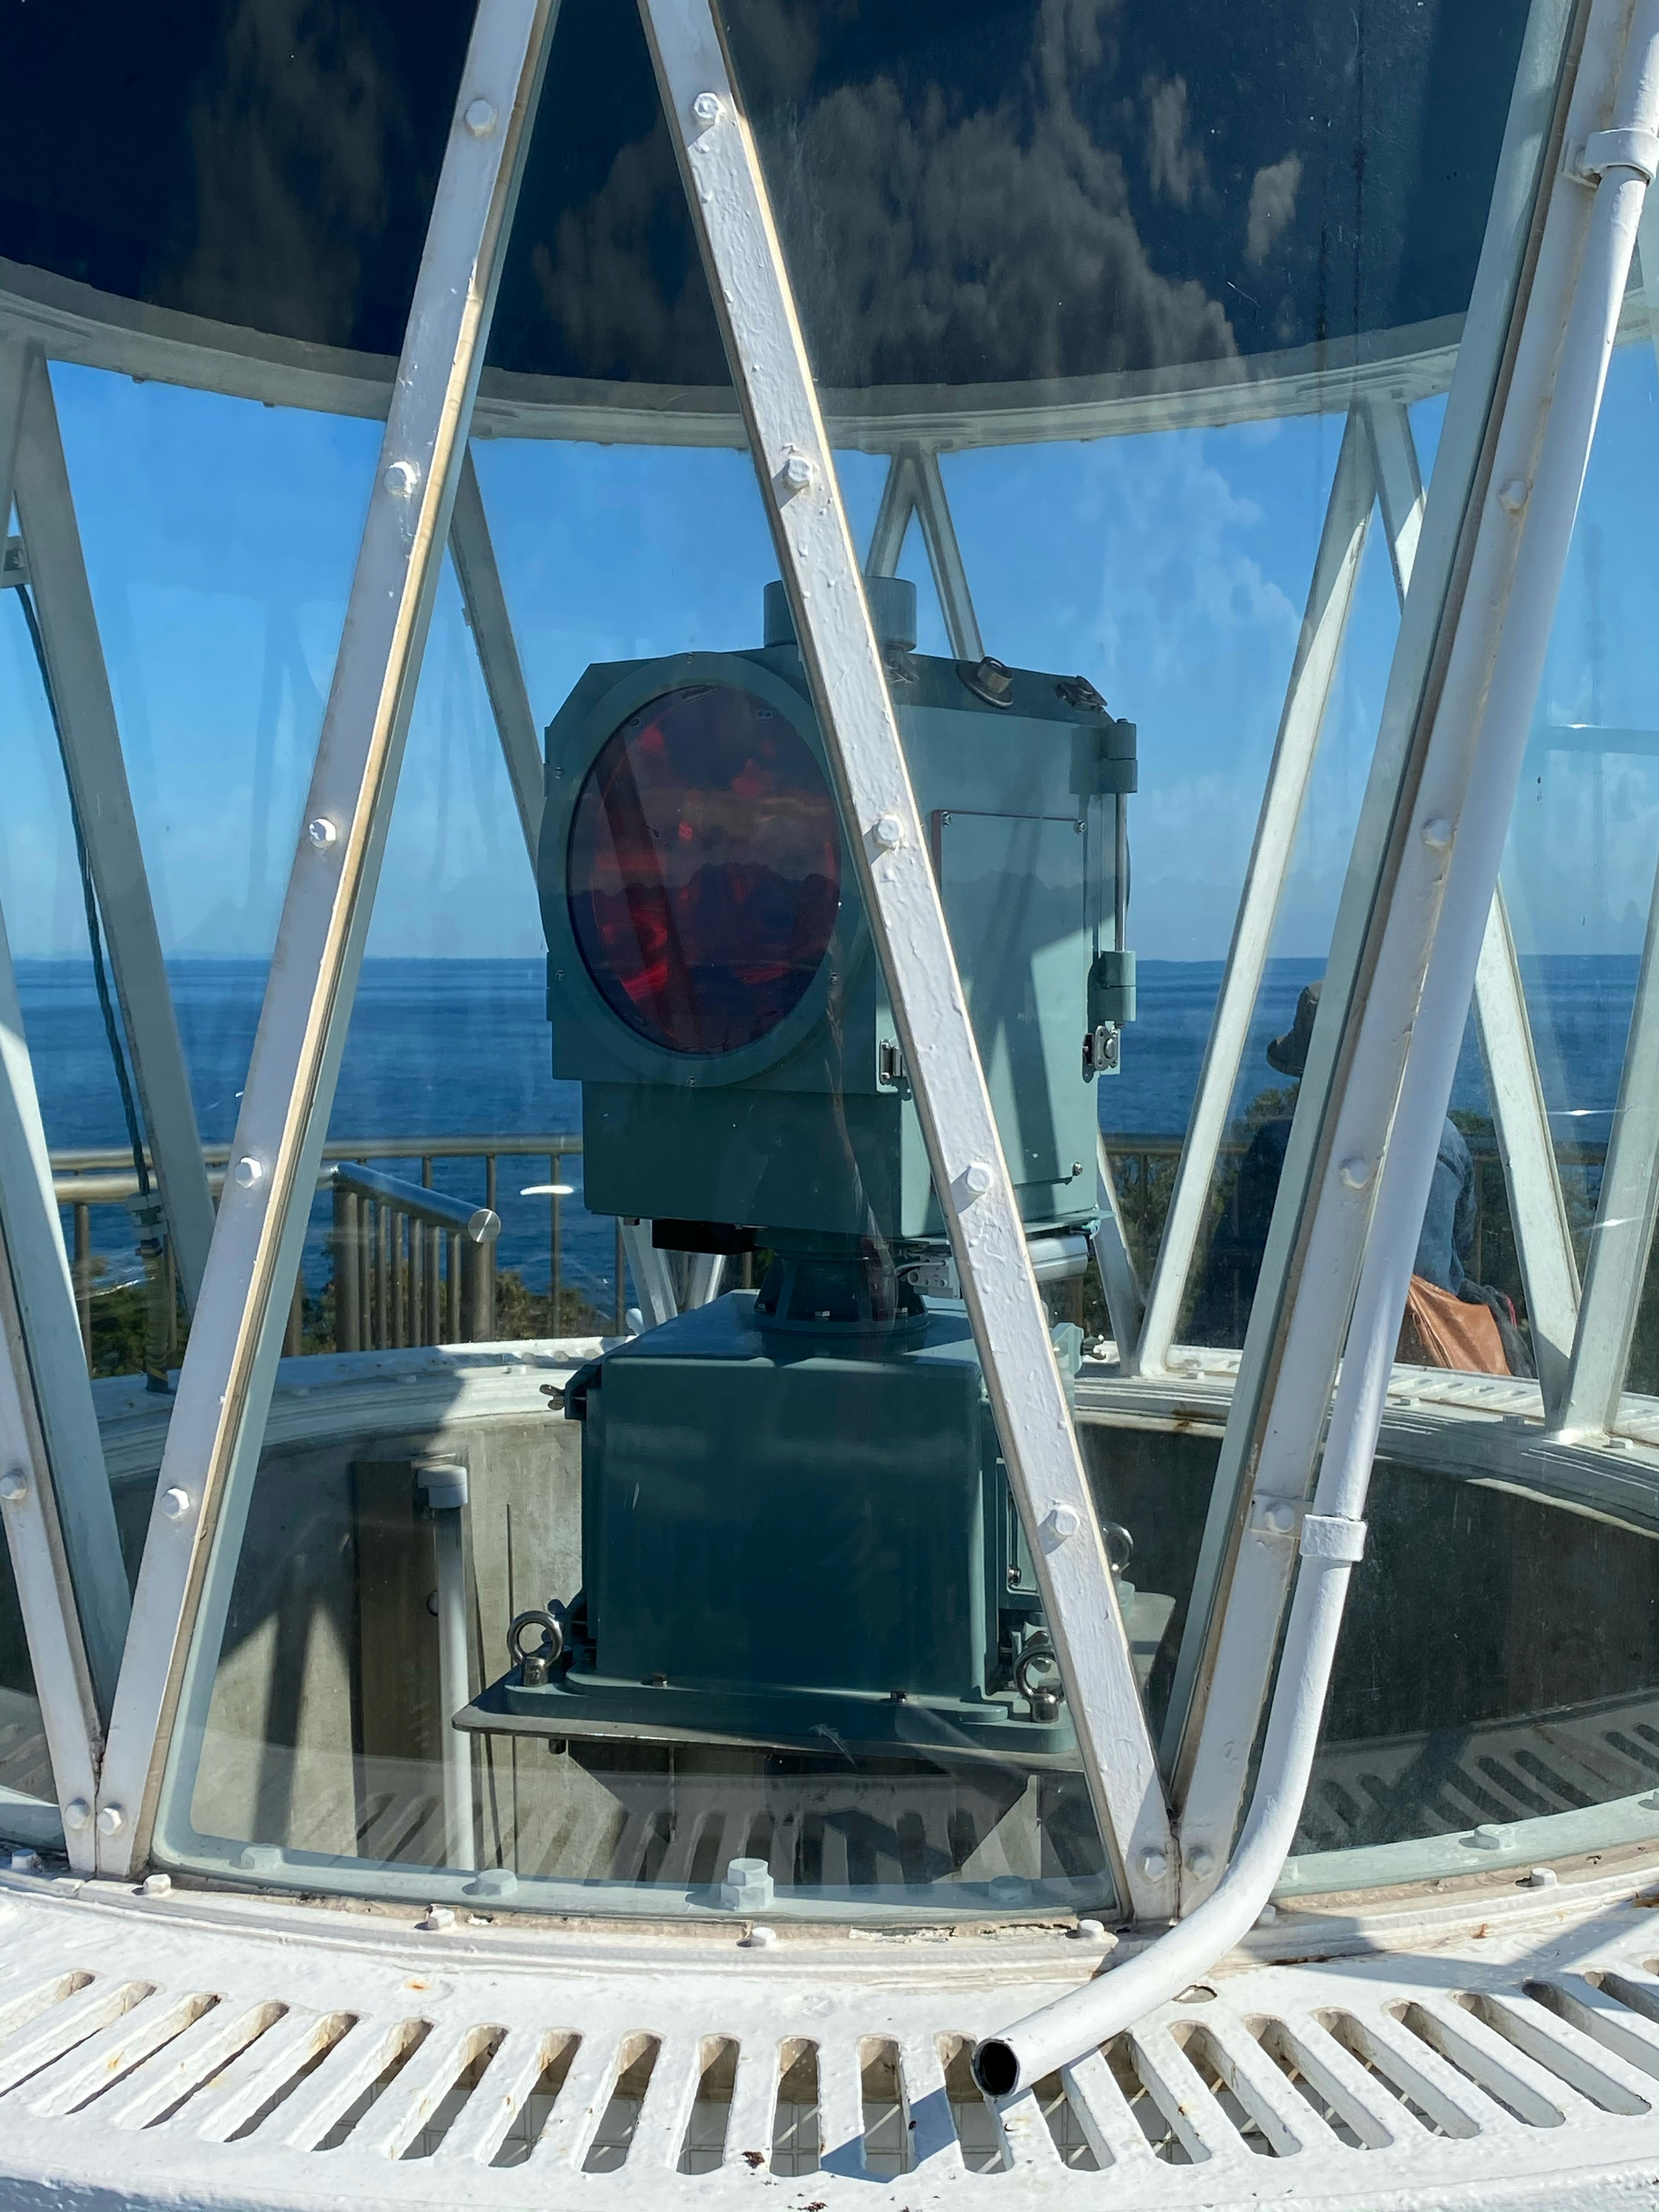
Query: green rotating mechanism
[797,1531]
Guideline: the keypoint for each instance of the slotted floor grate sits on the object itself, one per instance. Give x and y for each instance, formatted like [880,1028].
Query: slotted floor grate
[1505,1771]
[160,2048]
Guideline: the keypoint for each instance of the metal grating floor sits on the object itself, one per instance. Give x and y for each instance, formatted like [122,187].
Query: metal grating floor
[1502,1770]
[179,2048]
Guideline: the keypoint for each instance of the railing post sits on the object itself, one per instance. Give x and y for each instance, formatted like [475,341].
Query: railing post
[346,1240]
[622,1283]
[477,1290]
[457,1331]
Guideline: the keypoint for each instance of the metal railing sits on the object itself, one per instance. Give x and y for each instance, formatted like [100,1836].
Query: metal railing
[411,1265]
[88,1177]
[85,1178]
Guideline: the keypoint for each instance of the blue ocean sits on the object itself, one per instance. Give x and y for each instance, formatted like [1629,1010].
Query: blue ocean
[461,1046]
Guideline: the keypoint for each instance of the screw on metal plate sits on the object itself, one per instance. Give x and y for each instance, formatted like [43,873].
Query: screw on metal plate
[707,110]
[175,1502]
[321,832]
[247,1172]
[400,478]
[14,1485]
[480,118]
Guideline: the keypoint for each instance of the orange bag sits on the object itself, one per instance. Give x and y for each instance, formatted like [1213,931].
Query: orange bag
[1440,1329]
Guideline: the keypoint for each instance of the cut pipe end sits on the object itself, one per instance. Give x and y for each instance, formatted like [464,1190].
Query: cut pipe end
[996,2067]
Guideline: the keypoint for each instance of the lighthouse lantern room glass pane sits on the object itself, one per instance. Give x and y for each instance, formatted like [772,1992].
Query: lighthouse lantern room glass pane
[630,1531]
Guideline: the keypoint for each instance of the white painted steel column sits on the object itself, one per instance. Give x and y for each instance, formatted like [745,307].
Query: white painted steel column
[898,504]
[1330,602]
[1543,1240]
[54,1494]
[1407,1024]
[46,1597]
[474,556]
[98,778]
[1621,1240]
[653,1285]
[1259,1402]
[54,1375]
[1453,834]
[938,532]
[768,364]
[224,1394]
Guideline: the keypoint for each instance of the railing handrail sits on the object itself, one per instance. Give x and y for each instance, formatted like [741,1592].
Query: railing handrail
[104,1159]
[479,1225]
[102,1175]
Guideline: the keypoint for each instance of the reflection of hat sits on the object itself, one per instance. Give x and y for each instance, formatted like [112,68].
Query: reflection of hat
[1288,1053]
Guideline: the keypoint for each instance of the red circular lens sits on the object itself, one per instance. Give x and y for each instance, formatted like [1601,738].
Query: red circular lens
[704,869]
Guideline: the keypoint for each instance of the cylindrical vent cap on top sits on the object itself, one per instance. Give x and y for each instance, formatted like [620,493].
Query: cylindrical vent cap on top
[892,608]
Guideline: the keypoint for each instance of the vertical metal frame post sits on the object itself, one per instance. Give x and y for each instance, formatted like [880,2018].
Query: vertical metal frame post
[1427,625]
[54,1491]
[768,359]
[1538,1213]
[1324,625]
[45,1594]
[480,580]
[1402,1028]
[52,1376]
[224,1394]
[1621,1239]
[103,801]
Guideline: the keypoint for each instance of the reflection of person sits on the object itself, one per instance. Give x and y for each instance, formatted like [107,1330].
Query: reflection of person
[1467,1326]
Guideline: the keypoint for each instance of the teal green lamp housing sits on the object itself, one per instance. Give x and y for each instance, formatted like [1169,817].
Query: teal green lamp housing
[797,1531]
[711,982]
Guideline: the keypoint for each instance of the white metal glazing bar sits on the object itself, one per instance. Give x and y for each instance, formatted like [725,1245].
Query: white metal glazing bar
[898,504]
[1621,1239]
[474,556]
[98,781]
[915,486]
[793,459]
[1538,1213]
[1458,791]
[1418,651]
[1330,602]
[54,1493]
[219,1416]
[45,1598]
[938,532]
[54,1377]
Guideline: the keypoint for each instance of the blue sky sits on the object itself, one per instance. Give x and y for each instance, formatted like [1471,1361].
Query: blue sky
[1170,568]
